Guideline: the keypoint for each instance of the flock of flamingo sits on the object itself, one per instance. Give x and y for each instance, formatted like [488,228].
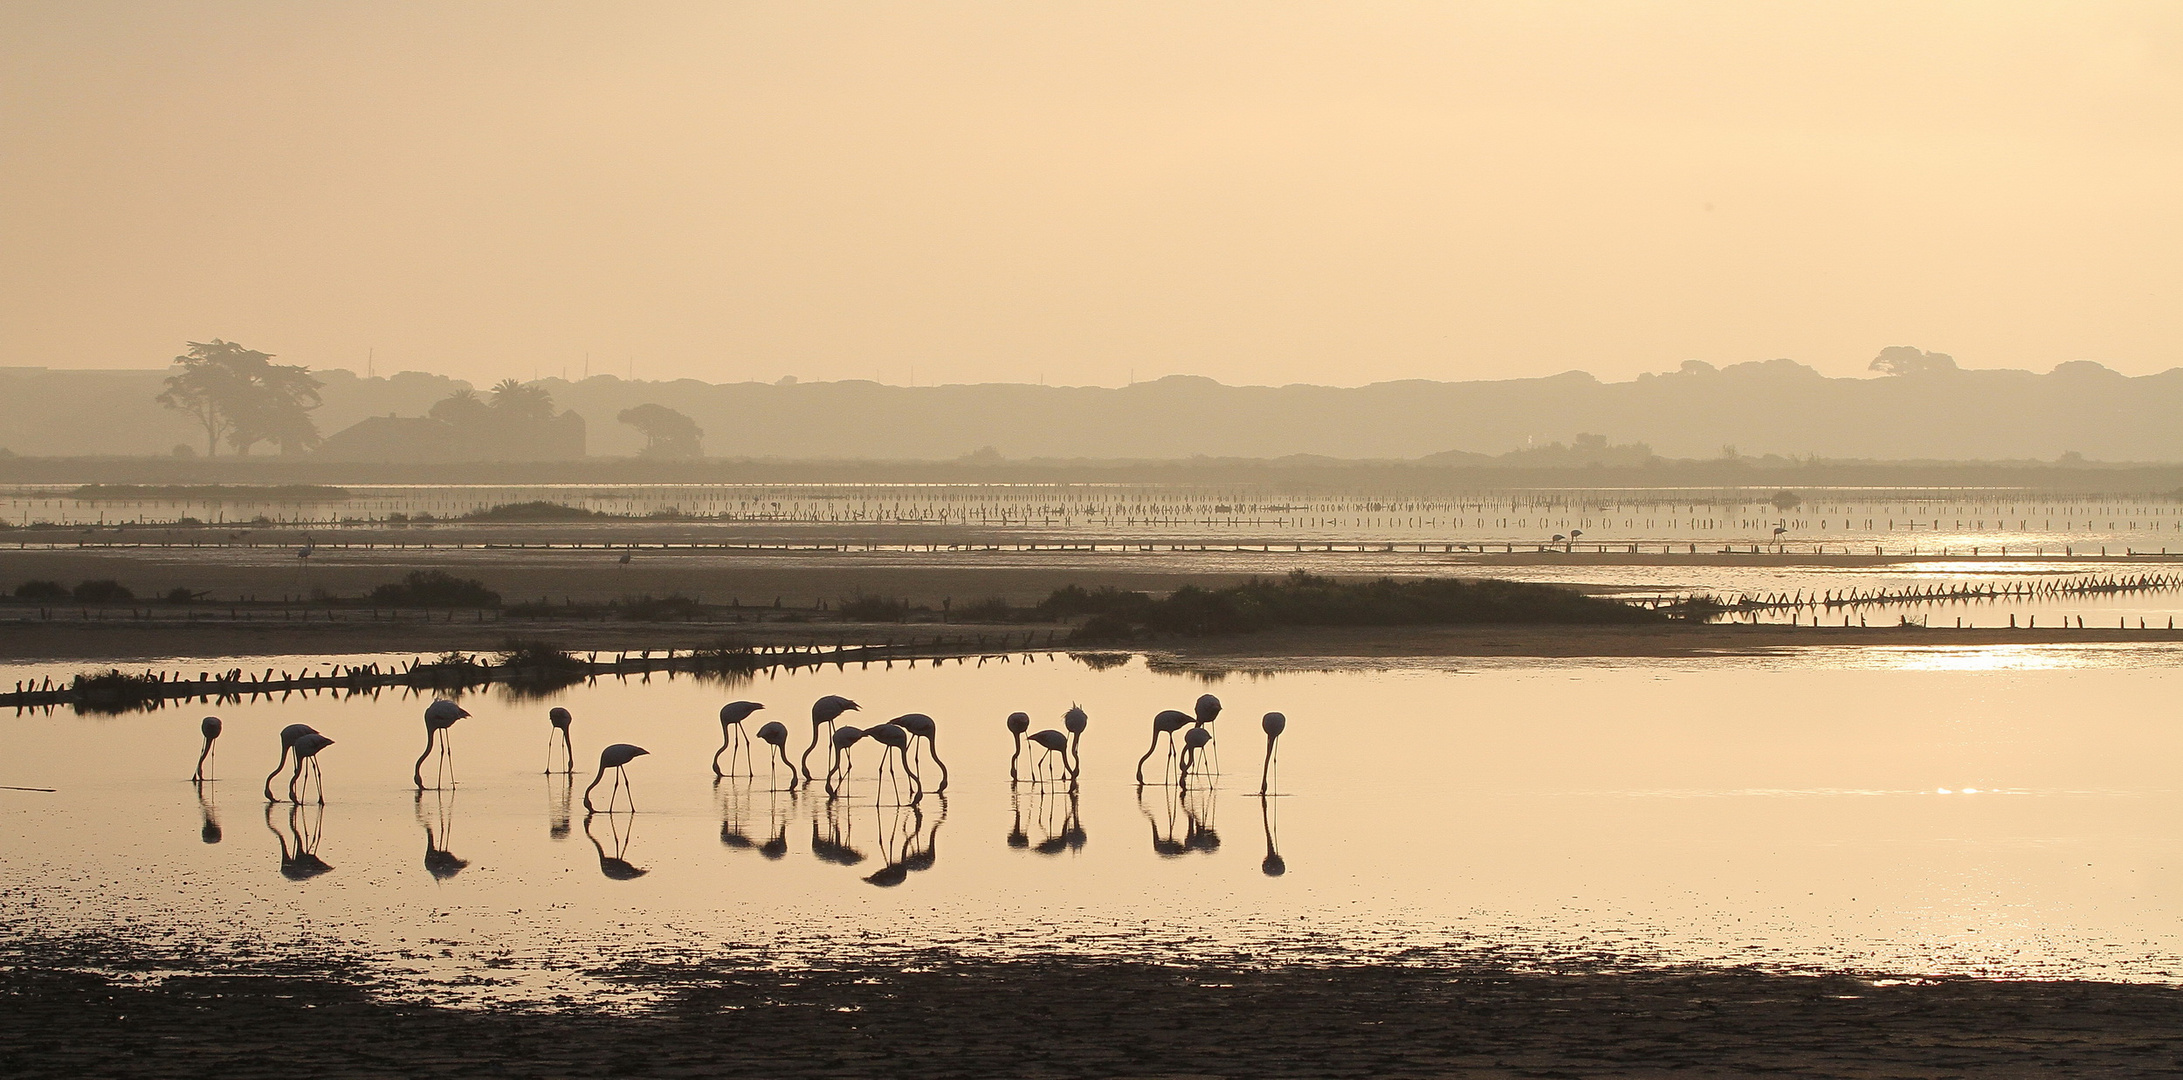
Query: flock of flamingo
[903,741]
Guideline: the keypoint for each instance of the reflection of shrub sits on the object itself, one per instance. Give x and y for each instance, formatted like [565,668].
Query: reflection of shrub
[649,608]
[41,591]
[114,691]
[435,588]
[874,609]
[102,591]
[1100,661]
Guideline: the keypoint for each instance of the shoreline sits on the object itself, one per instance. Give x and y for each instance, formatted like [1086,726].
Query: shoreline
[79,1007]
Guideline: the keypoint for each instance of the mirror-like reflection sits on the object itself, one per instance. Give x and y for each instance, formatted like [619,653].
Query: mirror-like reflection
[622,828]
[299,859]
[1273,865]
[1055,813]
[439,832]
[560,793]
[1184,821]
[836,843]
[737,794]
[208,809]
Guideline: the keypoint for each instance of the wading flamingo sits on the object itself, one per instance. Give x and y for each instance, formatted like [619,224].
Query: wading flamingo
[1275,724]
[560,719]
[823,711]
[845,736]
[1075,720]
[775,734]
[732,716]
[438,718]
[614,757]
[211,728]
[1168,722]
[1018,723]
[288,737]
[1193,741]
[1208,710]
[896,739]
[307,748]
[921,726]
[1052,742]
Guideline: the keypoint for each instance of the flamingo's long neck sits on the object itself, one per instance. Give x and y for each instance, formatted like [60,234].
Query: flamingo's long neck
[276,772]
[806,758]
[1154,745]
[594,783]
[417,773]
[932,743]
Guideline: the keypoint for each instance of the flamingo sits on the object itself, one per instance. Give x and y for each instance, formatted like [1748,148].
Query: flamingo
[1193,741]
[732,716]
[1274,724]
[1168,722]
[1075,720]
[1053,742]
[896,738]
[921,726]
[307,748]
[775,734]
[288,737]
[438,718]
[560,719]
[614,757]
[1018,723]
[845,736]
[1208,710]
[211,727]
[823,711]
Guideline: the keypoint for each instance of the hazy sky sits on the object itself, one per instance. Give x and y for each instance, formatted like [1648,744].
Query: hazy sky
[1258,192]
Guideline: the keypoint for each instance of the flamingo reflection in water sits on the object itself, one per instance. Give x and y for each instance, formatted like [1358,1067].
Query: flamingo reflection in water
[306,770]
[615,757]
[735,817]
[210,728]
[299,859]
[208,809]
[1166,723]
[733,737]
[824,712]
[1273,865]
[836,845]
[623,829]
[909,841]
[560,719]
[1184,824]
[560,793]
[1055,813]
[288,737]
[438,860]
[439,722]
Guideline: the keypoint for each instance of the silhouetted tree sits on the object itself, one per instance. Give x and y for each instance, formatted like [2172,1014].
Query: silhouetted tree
[667,433]
[240,396]
[462,406]
[1907,360]
[522,402]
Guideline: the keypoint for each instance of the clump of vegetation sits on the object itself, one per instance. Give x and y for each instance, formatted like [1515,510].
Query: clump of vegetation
[649,608]
[863,608]
[435,588]
[102,591]
[1101,661]
[1302,599]
[183,594]
[1071,601]
[115,690]
[41,591]
[532,512]
[1787,500]
[530,654]
[992,609]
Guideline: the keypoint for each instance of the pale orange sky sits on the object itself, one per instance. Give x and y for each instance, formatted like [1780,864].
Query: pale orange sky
[1257,192]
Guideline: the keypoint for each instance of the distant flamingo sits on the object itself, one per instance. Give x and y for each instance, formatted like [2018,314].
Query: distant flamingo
[1193,741]
[921,726]
[823,711]
[438,718]
[1275,724]
[775,734]
[845,737]
[307,748]
[211,728]
[1018,723]
[732,716]
[560,719]
[614,757]
[1054,742]
[1075,720]
[896,738]
[288,737]
[1168,722]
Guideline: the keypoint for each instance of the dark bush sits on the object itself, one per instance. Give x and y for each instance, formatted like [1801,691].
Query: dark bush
[1073,600]
[435,588]
[181,595]
[41,591]
[532,511]
[1303,600]
[102,591]
[660,608]
[990,609]
[874,609]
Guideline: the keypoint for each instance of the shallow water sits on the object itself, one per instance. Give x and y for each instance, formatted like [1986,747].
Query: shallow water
[2004,812]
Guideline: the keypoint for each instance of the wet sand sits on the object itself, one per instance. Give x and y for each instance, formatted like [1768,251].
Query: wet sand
[78,1009]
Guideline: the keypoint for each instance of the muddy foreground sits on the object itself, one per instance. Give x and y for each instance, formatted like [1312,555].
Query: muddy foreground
[939,1015]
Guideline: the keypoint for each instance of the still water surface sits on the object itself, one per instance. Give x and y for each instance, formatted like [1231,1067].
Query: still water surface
[2008,812]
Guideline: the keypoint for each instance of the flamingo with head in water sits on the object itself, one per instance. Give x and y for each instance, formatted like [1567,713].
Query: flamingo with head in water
[1193,741]
[896,740]
[210,726]
[1051,742]
[845,737]
[921,726]
[307,748]
[438,718]
[288,737]
[615,757]
[1018,723]
[823,711]
[1168,722]
[732,716]
[773,733]
[560,719]
[1075,721]
[1274,724]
